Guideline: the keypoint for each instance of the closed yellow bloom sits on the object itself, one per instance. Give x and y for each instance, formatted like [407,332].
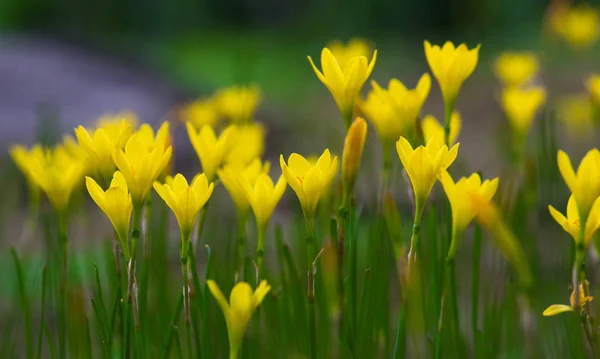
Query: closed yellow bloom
[309,182]
[463,210]
[345,82]
[424,164]
[516,68]
[571,223]
[343,53]
[211,150]
[238,103]
[24,158]
[451,66]
[233,174]
[116,203]
[576,112]
[141,165]
[185,200]
[99,144]
[353,149]
[248,144]
[585,183]
[263,196]
[521,106]
[238,312]
[592,84]
[200,112]
[555,309]
[579,26]
[432,129]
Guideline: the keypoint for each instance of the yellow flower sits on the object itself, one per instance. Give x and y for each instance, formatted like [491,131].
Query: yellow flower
[571,223]
[111,123]
[238,312]
[344,53]
[238,103]
[379,110]
[24,158]
[309,182]
[521,105]
[463,211]
[585,184]
[432,129]
[576,112]
[592,84]
[116,203]
[185,200]
[141,165]
[516,68]
[249,143]
[555,309]
[200,112]
[263,196]
[353,149]
[211,150]
[233,174]
[345,82]
[161,140]
[451,67]
[424,164]
[99,144]
[580,26]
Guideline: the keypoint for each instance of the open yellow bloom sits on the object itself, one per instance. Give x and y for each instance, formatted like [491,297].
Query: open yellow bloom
[141,165]
[309,182]
[463,210]
[233,174]
[353,149]
[424,164]
[211,150]
[521,105]
[185,200]
[238,103]
[571,223]
[555,309]
[116,203]
[432,129]
[200,112]
[99,144]
[345,82]
[263,196]
[379,110]
[451,66]
[516,68]
[579,26]
[238,312]
[248,144]
[343,53]
[585,183]
[592,83]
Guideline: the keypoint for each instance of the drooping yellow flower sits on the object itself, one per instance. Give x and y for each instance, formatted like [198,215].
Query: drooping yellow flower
[555,309]
[576,112]
[263,196]
[200,112]
[463,211]
[432,129]
[238,312]
[353,149]
[99,144]
[141,165]
[309,182]
[451,66]
[521,106]
[592,83]
[343,53]
[585,183]
[579,26]
[185,200]
[24,158]
[233,174]
[248,144]
[424,164]
[116,203]
[345,82]
[516,68]
[238,103]
[571,223]
[211,150]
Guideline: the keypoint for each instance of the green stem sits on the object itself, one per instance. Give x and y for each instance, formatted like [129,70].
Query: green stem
[260,248]
[475,286]
[63,239]
[310,256]
[132,307]
[448,109]
[242,217]
[414,239]
[347,115]
[455,313]
[386,149]
[186,303]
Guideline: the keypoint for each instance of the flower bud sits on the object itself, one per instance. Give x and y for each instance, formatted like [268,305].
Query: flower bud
[353,149]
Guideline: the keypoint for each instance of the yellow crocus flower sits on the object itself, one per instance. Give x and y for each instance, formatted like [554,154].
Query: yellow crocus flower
[521,105]
[516,68]
[24,158]
[585,183]
[432,129]
[579,26]
[555,309]
[141,165]
[99,144]
[263,196]
[162,138]
[309,182]
[379,110]
[200,112]
[592,83]
[571,223]
[238,103]
[343,53]
[424,164]
[231,176]
[116,203]
[211,150]
[451,66]
[353,149]
[249,143]
[463,211]
[345,82]
[238,312]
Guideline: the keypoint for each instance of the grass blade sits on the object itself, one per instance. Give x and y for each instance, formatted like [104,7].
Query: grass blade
[43,309]
[24,304]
